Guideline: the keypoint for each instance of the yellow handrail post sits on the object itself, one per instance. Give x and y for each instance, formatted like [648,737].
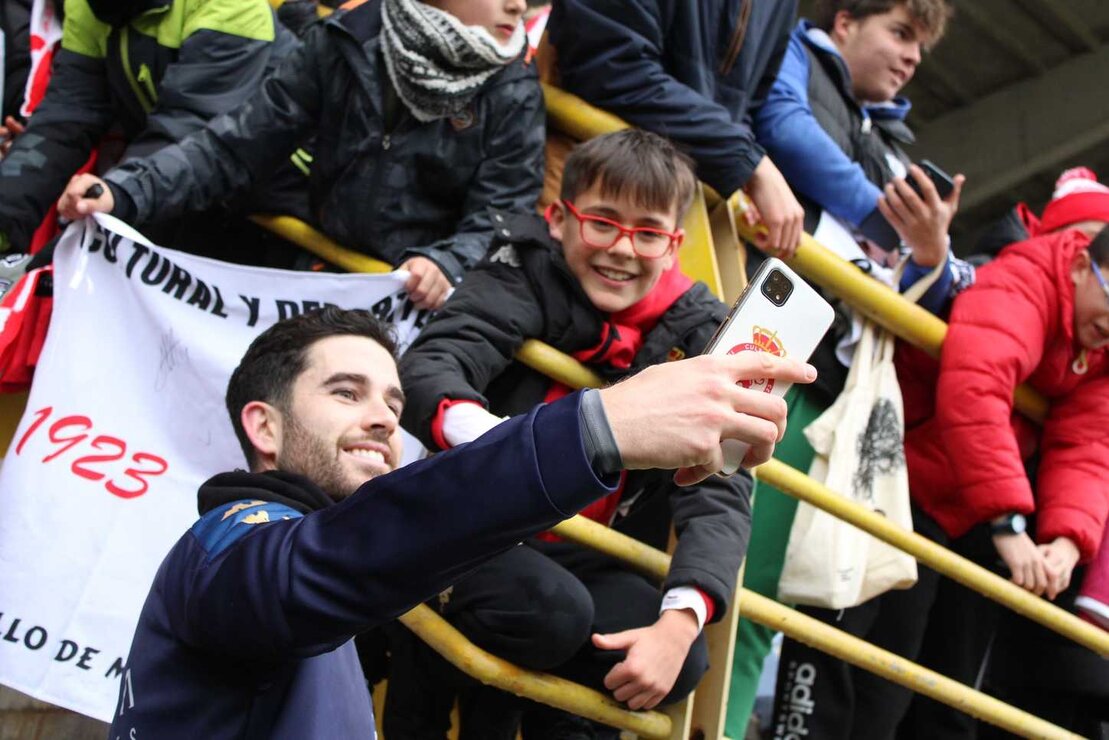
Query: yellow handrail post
[698,257]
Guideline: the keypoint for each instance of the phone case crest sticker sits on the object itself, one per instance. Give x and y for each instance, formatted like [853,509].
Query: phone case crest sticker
[762,340]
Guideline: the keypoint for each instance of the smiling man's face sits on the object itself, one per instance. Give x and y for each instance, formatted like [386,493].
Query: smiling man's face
[342,427]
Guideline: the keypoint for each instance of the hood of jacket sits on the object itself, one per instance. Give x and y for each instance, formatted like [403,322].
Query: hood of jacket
[276,486]
[1052,254]
[118,12]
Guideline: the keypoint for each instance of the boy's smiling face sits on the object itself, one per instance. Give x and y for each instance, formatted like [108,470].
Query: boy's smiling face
[881,51]
[614,278]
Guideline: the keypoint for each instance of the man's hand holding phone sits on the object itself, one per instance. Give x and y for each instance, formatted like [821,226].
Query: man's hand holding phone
[674,415]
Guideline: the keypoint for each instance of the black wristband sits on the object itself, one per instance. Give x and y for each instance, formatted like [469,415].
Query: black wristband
[600,444]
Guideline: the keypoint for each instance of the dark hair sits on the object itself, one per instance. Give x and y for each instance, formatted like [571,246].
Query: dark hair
[933,15]
[277,356]
[632,163]
[1099,247]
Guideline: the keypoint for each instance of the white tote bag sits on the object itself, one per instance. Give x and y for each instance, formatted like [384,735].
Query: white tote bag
[860,454]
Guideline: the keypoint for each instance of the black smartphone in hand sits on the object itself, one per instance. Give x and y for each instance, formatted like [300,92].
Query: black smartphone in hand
[875,227]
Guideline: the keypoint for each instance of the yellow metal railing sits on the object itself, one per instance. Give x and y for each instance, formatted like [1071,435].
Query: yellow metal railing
[542,687]
[825,638]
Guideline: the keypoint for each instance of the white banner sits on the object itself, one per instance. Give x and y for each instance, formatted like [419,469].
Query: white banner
[125,419]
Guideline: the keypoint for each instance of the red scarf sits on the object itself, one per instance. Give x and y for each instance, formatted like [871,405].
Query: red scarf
[622,336]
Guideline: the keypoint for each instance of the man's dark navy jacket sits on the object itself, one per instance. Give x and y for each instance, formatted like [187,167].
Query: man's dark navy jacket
[247,629]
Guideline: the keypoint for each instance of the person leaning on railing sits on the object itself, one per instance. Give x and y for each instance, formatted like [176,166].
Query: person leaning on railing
[690,71]
[834,121]
[425,114]
[247,629]
[599,280]
[157,70]
[1039,314]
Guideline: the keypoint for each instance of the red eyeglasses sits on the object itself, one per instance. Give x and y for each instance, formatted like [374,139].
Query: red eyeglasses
[603,233]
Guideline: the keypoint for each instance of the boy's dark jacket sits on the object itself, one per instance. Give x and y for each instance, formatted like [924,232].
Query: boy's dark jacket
[392,192]
[156,69]
[246,633]
[524,289]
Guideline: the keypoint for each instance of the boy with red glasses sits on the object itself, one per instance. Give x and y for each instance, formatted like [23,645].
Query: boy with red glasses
[599,280]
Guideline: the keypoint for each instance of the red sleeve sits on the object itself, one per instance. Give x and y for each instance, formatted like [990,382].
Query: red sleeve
[1072,492]
[996,337]
[437,421]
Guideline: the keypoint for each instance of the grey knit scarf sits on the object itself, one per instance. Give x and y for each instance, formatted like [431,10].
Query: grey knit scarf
[436,63]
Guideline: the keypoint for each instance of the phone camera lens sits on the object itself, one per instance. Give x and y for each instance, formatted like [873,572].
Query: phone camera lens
[777,287]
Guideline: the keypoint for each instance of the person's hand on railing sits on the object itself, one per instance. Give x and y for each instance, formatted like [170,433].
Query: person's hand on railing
[777,207]
[1026,563]
[78,201]
[922,221]
[11,129]
[673,416]
[653,660]
[1060,557]
[428,286]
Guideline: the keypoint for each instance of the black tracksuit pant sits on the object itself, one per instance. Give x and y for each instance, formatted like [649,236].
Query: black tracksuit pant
[819,696]
[538,605]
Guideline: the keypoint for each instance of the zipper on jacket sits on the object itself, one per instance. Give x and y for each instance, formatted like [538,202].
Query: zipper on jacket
[146,77]
[125,60]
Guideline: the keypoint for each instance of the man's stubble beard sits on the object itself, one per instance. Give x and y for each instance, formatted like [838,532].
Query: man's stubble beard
[307,454]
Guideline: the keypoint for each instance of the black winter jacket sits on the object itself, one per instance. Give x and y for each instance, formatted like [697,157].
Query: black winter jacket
[156,69]
[524,289]
[15,25]
[417,189]
[691,71]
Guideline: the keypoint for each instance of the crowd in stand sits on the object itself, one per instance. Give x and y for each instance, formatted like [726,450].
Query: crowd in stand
[413,131]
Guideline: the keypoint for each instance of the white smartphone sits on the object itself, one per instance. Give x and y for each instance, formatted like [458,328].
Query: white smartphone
[778,313]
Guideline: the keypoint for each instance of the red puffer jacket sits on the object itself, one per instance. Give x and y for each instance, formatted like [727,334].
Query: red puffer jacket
[965,446]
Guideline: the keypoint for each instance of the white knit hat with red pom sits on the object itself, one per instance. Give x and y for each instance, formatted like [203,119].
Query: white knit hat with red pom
[1078,197]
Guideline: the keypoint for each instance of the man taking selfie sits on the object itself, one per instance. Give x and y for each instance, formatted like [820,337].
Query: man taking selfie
[247,630]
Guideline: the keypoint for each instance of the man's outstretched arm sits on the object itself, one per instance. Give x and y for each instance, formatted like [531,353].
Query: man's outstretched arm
[304,586]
